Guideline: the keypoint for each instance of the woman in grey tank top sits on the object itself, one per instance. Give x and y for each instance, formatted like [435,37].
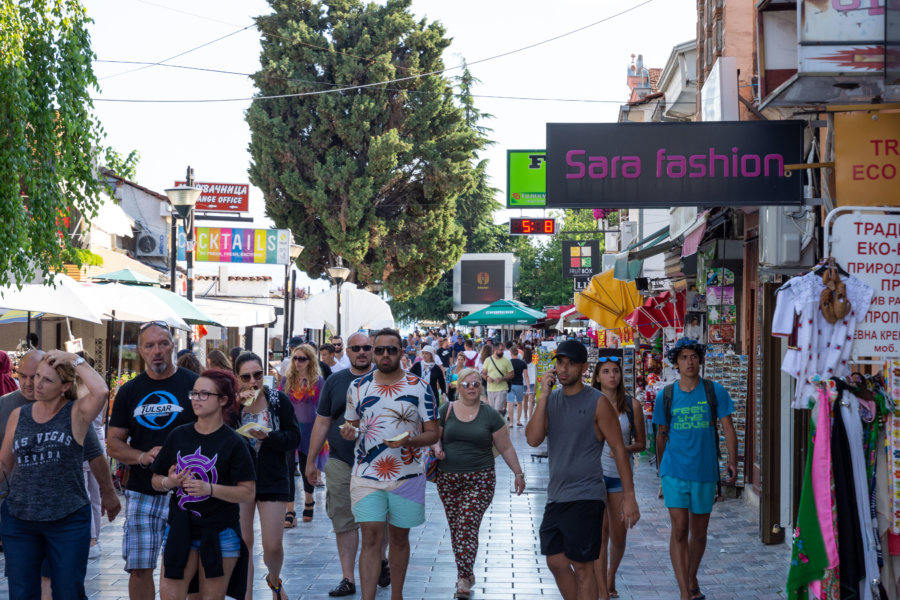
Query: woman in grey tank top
[47,513]
[608,379]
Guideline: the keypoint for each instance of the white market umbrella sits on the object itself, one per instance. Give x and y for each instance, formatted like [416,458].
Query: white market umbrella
[132,303]
[65,297]
[359,310]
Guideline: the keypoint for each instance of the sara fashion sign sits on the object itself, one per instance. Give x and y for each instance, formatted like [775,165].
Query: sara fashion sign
[222,197]
[868,247]
[660,165]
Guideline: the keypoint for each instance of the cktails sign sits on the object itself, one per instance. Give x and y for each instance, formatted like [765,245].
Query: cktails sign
[224,244]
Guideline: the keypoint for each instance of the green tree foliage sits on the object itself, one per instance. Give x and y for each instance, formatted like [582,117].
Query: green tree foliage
[374,173]
[123,166]
[48,134]
[541,282]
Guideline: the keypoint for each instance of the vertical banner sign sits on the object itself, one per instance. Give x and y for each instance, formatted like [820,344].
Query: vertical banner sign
[231,245]
[867,159]
[581,259]
[526,178]
[868,246]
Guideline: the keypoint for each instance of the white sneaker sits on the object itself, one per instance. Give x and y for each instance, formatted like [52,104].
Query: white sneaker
[94,552]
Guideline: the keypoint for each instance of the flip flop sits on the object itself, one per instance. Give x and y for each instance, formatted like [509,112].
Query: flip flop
[613,594]
[696,594]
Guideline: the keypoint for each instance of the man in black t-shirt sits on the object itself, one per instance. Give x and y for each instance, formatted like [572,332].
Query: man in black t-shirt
[145,410]
[444,352]
[329,418]
[516,395]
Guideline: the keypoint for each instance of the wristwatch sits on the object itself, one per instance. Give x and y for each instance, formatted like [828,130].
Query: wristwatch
[78,361]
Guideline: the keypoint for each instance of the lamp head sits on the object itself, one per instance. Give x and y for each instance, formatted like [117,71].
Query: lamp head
[184,198]
[338,272]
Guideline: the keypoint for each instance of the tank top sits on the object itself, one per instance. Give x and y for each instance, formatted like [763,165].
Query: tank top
[47,483]
[576,471]
[609,463]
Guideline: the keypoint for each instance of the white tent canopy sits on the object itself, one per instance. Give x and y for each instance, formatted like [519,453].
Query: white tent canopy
[236,314]
[359,310]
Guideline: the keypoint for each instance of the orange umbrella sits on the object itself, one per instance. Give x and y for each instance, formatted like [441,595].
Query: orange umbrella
[608,300]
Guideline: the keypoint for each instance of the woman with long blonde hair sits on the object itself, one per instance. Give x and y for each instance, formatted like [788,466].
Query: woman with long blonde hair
[303,383]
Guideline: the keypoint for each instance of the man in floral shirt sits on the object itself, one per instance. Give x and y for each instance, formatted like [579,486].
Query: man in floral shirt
[392,416]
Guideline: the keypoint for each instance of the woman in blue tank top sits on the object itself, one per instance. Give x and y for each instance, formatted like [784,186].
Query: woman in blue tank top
[47,514]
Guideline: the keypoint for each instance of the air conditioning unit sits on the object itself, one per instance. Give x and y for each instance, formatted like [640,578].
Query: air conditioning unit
[786,235]
[151,244]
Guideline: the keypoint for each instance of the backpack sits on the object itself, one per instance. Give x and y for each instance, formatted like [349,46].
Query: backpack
[470,362]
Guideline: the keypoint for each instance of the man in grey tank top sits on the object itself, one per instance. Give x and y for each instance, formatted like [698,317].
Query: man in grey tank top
[575,424]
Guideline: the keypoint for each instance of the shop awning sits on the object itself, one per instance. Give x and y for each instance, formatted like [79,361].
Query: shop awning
[359,310]
[504,312]
[236,314]
[630,261]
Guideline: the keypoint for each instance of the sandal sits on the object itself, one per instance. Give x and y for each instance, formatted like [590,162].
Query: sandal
[463,590]
[308,512]
[290,519]
[613,593]
[696,594]
[277,589]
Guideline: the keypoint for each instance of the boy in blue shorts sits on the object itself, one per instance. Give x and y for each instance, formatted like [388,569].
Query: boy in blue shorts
[687,440]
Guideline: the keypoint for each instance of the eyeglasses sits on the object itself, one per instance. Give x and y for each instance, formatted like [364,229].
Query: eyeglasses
[162,324]
[471,384]
[392,350]
[248,376]
[300,359]
[364,348]
[603,359]
[202,394]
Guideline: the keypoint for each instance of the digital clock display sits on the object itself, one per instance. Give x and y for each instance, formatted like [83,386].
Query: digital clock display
[523,226]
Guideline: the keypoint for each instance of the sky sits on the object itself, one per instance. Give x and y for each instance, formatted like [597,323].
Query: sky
[213,137]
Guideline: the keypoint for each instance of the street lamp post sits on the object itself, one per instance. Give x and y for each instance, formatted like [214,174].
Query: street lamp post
[338,273]
[184,198]
[289,294]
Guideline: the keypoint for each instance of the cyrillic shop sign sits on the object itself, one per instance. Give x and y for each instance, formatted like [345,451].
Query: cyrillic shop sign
[660,165]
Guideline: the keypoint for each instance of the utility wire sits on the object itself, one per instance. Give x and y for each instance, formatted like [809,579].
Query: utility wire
[361,86]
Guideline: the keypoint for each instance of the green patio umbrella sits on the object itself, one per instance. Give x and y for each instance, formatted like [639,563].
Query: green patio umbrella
[504,312]
[185,309]
[126,276]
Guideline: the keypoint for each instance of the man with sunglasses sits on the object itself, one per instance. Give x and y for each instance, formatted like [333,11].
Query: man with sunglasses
[339,355]
[329,419]
[576,421]
[393,418]
[145,410]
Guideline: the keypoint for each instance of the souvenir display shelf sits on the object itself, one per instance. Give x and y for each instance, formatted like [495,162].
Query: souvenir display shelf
[731,370]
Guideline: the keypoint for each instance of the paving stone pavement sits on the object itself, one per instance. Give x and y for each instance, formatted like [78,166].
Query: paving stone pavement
[509,564]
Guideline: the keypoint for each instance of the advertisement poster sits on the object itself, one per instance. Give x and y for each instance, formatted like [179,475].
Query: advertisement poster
[724,313]
[719,295]
[722,333]
[481,281]
[695,326]
[719,277]
[695,301]
[526,178]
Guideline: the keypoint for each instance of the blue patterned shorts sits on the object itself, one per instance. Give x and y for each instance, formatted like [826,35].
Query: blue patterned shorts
[145,522]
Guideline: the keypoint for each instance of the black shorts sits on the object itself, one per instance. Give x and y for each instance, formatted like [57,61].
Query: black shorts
[573,528]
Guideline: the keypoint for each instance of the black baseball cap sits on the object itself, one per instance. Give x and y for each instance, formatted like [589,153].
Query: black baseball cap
[295,341]
[573,350]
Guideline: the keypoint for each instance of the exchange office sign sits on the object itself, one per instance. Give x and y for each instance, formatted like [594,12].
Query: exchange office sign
[222,197]
[660,165]
[868,246]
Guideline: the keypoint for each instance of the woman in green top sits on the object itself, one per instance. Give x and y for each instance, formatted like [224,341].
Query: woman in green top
[466,479]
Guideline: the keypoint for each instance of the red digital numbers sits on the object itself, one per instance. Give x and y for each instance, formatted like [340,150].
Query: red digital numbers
[525,226]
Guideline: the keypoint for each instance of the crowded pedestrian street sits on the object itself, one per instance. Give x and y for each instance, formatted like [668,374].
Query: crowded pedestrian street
[509,564]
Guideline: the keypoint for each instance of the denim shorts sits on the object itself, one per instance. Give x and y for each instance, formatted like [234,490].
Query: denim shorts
[516,394]
[229,543]
[613,484]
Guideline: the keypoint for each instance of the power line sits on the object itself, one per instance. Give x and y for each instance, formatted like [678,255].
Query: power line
[349,88]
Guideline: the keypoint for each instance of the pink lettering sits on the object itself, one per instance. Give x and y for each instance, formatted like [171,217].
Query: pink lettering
[572,162]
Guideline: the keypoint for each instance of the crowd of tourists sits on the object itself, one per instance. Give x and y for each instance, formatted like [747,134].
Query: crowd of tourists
[210,448]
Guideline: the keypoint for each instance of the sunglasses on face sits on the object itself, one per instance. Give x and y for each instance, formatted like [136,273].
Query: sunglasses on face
[391,350]
[603,359]
[248,376]
[469,385]
[301,359]
[365,348]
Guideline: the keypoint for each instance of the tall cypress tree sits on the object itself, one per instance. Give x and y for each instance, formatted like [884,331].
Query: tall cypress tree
[370,173]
